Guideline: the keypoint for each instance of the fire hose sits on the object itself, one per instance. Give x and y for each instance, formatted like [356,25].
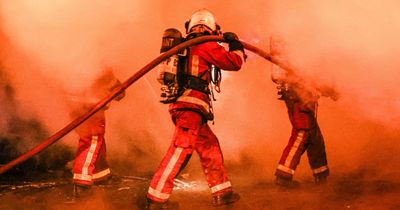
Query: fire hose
[114,93]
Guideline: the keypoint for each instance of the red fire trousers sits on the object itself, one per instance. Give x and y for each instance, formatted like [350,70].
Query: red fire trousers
[191,133]
[306,136]
[90,163]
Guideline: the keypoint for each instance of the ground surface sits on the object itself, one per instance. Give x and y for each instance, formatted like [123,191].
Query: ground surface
[52,190]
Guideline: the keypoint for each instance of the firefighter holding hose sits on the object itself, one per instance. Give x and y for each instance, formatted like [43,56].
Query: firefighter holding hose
[301,100]
[90,164]
[186,87]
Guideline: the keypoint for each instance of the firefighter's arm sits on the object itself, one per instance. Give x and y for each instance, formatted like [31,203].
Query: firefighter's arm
[329,91]
[234,44]
[218,56]
[110,82]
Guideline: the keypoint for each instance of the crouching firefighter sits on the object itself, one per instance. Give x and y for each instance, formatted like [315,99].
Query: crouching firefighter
[301,100]
[186,85]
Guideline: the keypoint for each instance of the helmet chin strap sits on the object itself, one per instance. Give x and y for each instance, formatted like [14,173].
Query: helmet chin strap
[199,30]
[202,29]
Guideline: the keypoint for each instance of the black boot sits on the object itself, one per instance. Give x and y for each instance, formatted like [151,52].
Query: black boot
[286,182]
[321,180]
[225,198]
[80,191]
[155,205]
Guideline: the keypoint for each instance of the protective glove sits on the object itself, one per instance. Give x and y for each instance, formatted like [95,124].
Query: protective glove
[230,36]
[233,41]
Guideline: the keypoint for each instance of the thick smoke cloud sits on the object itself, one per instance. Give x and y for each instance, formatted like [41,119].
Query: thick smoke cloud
[53,46]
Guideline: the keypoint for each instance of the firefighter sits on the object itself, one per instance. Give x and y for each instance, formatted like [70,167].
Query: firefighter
[190,113]
[90,164]
[301,100]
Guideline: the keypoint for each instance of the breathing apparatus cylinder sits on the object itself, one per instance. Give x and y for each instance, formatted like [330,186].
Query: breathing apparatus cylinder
[168,69]
[278,75]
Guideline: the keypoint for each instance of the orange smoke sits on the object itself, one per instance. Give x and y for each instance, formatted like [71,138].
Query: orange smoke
[58,45]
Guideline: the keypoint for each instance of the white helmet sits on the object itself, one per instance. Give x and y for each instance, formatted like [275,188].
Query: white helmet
[201,17]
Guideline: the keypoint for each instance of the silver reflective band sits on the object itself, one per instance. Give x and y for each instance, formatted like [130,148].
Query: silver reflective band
[158,194]
[101,174]
[285,169]
[194,100]
[169,168]
[295,148]
[222,186]
[320,169]
[83,177]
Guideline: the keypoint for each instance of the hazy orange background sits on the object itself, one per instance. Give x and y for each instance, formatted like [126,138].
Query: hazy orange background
[52,45]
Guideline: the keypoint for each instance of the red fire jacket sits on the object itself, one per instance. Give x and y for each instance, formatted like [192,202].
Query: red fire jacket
[201,57]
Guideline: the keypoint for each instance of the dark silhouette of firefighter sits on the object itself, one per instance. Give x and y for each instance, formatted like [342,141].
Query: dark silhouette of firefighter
[301,99]
[90,164]
[188,80]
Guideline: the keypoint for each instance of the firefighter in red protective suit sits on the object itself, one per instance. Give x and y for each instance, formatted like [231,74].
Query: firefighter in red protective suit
[90,164]
[190,112]
[301,100]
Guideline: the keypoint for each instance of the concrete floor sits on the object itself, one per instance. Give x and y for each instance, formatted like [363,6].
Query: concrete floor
[52,190]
